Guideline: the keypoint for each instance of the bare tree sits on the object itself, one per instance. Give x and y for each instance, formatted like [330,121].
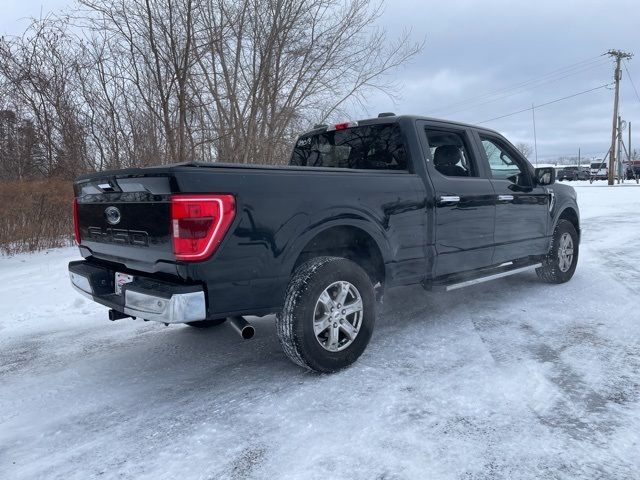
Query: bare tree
[37,71]
[524,148]
[151,43]
[268,66]
[139,82]
[236,80]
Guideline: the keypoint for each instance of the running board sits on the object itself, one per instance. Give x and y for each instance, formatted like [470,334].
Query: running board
[499,273]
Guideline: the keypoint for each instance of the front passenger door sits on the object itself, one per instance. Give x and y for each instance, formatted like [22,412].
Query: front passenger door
[522,208]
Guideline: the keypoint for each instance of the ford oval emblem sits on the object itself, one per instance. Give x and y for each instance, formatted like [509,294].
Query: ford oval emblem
[113,215]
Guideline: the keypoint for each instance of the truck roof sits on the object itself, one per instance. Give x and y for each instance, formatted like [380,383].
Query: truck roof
[392,118]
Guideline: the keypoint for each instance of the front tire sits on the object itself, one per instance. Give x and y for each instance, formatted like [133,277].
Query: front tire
[328,315]
[560,263]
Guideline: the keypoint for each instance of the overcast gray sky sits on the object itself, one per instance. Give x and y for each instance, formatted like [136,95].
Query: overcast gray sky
[478,47]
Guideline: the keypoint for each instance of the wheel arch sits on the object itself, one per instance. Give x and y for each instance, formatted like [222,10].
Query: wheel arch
[355,242]
[570,214]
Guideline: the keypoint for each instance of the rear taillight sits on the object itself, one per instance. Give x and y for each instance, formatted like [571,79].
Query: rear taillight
[76,223]
[199,223]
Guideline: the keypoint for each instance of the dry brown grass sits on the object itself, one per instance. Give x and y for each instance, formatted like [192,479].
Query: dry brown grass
[35,215]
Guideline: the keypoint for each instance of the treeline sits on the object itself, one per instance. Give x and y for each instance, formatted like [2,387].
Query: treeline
[127,83]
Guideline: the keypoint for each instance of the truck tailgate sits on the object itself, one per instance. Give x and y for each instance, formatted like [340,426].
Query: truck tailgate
[126,219]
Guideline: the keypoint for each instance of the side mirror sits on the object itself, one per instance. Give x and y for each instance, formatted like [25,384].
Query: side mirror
[545,176]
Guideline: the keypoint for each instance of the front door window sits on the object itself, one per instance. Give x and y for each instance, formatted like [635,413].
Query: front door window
[504,165]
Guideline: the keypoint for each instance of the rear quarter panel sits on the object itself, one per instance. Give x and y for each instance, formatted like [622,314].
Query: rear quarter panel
[278,212]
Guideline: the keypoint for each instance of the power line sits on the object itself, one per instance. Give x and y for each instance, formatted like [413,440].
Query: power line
[631,80]
[519,90]
[589,63]
[521,84]
[546,103]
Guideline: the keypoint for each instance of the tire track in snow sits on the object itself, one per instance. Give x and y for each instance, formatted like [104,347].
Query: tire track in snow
[621,254]
[559,396]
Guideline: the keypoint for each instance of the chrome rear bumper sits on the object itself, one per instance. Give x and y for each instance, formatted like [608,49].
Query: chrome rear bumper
[144,298]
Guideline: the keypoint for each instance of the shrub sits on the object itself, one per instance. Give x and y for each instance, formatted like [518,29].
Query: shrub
[35,215]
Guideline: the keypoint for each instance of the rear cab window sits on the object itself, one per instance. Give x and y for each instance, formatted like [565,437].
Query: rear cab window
[367,147]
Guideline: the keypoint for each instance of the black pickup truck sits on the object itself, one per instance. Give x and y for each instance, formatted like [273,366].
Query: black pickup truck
[362,207]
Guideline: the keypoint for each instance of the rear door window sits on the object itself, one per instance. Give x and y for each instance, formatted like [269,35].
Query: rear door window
[369,147]
[450,154]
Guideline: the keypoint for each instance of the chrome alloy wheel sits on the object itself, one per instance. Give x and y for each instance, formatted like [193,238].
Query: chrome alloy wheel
[338,316]
[565,252]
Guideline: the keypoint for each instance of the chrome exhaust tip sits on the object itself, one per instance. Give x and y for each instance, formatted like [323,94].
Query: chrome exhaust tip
[244,328]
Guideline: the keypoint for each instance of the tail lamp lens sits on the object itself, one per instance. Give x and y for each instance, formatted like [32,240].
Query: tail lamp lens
[199,223]
[76,223]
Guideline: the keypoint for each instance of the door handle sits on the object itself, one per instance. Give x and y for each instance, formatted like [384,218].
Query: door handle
[449,199]
[505,198]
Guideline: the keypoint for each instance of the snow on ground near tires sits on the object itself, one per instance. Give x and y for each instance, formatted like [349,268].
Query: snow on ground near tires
[511,379]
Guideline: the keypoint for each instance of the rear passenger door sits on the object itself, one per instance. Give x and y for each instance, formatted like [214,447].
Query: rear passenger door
[464,199]
[522,207]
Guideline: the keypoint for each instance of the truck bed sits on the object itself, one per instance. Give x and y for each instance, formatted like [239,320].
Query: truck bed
[278,210]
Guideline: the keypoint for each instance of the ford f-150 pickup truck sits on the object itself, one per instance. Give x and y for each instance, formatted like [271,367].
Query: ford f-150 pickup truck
[361,207]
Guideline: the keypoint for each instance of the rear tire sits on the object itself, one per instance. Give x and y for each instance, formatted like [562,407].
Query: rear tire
[328,315]
[207,323]
[560,263]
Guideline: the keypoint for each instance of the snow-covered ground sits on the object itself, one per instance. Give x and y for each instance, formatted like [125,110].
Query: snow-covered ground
[512,379]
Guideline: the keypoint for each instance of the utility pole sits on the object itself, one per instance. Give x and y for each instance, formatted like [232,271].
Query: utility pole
[630,157]
[535,137]
[618,55]
[619,161]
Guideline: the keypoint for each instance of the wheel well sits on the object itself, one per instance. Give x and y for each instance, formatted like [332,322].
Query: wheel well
[572,216]
[347,242]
